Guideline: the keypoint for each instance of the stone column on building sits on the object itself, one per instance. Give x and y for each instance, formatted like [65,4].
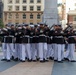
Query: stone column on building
[50,14]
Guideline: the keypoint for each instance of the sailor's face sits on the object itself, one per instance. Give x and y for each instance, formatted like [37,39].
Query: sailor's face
[41,26]
[45,26]
[27,26]
[55,27]
[13,27]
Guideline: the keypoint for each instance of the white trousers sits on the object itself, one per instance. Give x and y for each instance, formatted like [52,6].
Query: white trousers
[4,50]
[71,49]
[55,48]
[33,51]
[50,51]
[60,52]
[37,50]
[9,50]
[67,52]
[42,51]
[26,51]
[12,49]
[17,53]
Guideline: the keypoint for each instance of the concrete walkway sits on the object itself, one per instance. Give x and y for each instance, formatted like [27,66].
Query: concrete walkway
[37,68]
[27,68]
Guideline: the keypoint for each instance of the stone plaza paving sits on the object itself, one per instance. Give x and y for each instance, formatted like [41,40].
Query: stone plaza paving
[37,68]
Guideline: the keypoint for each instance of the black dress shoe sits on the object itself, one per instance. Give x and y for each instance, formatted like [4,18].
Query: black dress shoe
[22,60]
[3,59]
[55,60]
[63,59]
[12,58]
[26,58]
[73,60]
[29,60]
[16,59]
[66,59]
[42,61]
[8,60]
[46,60]
[37,59]
[51,58]
[34,60]
[60,62]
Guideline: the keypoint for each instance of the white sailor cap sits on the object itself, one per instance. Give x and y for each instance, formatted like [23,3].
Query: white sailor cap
[32,26]
[41,23]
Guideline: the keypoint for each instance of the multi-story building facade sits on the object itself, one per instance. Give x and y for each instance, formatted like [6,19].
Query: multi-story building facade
[71,12]
[60,11]
[23,11]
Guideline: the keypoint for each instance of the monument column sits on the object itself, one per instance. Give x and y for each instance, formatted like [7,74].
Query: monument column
[50,14]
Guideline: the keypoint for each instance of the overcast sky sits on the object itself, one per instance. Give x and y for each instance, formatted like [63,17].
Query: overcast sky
[59,1]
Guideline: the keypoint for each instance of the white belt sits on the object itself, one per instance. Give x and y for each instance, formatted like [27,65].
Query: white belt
[72,36]
[31,37]
[26,36]
[59,37]
[35,36]
[41,35]
[8,36]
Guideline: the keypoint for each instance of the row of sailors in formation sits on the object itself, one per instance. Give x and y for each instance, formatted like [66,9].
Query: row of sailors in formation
[34,43]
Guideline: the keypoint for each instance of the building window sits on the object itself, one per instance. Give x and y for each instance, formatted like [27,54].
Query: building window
[38,1]
[24,16]
[69,8]
[24,1]
[9,16]
[31,16]
[31,23]
[38,8]
[74,18]
[31,8]
[31,1]
[38,16]
[9,8]
[9,1]
[17,1]
[17,8]
[17,16]
[17,23]
[24,8]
